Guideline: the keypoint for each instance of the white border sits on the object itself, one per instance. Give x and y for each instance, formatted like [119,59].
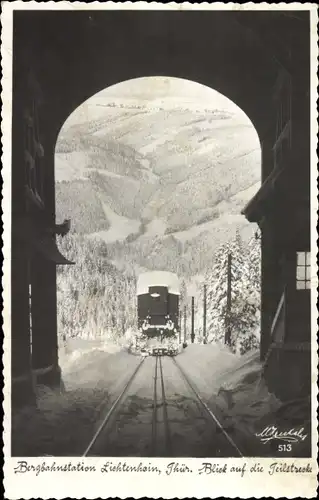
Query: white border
[63,5]
[93,485]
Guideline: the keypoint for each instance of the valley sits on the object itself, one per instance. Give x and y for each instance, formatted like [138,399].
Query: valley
[162,186]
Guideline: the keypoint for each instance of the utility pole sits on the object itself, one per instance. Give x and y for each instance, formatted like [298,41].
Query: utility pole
[184,324]
[228,304]
[204,314]
[193,333]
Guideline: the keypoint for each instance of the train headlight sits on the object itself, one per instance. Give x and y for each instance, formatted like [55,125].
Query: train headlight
[145,325]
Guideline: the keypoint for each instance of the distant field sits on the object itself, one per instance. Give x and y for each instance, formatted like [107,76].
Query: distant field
[157,182]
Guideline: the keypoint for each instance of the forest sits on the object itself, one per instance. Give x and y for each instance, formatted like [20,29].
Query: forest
[157,189]
[97,300]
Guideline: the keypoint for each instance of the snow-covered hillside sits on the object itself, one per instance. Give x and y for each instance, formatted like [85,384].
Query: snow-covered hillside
[154,160]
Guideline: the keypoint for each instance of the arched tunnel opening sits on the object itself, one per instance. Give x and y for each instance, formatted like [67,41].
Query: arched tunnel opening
[163,182]
[154,173]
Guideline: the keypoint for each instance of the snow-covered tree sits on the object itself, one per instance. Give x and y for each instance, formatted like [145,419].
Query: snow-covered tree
[250,338]
[95,299]
[242,318]
[198,316]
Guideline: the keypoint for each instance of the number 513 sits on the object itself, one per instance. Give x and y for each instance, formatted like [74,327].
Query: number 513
[284,447]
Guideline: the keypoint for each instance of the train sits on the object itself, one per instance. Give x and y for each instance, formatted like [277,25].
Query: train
[158,313]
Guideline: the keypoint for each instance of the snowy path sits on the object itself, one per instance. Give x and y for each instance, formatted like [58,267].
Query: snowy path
[160,416]
[229,385]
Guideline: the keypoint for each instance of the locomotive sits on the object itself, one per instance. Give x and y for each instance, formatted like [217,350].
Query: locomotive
[158,311]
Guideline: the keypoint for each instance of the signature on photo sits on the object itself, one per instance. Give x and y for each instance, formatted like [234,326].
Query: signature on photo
[272,432]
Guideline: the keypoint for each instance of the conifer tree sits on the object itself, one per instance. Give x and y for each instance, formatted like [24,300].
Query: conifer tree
[216,281]
[249,339]
[242,318]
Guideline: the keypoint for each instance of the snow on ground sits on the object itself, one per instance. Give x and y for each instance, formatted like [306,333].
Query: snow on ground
[155,143]
[204,363]
[107,173]
[75,348]
[214,228]
[94,373]
[242,394]
[149,177]
[145,162]
[246,194]
[98,369]
[247,407]
[120,228]
[156,227]
[91,109]
[95,363]
[235,390]
[71,166]
[62,423]
[237,393]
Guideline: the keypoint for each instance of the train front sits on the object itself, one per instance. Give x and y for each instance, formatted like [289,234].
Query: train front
[158,311]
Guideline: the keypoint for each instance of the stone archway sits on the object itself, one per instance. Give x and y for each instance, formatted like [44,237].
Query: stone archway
[202,141]
[254,58]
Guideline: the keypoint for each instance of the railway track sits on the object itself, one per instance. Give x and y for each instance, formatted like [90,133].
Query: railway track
[210,414]
[160,447]
[114,408]
[160,421]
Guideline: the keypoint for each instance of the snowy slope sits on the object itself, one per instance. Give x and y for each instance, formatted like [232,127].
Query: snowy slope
[120,227]
[236,392]
[165,157]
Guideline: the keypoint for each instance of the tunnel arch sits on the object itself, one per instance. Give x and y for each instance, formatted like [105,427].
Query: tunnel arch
[252,114]
[104,59]
[164,94]
[247,56]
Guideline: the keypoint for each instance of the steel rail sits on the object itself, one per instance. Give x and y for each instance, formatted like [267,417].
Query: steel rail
[154,416]
[207,409]
[165,415]
[112,409]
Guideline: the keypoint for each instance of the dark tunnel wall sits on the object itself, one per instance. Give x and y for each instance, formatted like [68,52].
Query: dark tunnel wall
[256,59]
